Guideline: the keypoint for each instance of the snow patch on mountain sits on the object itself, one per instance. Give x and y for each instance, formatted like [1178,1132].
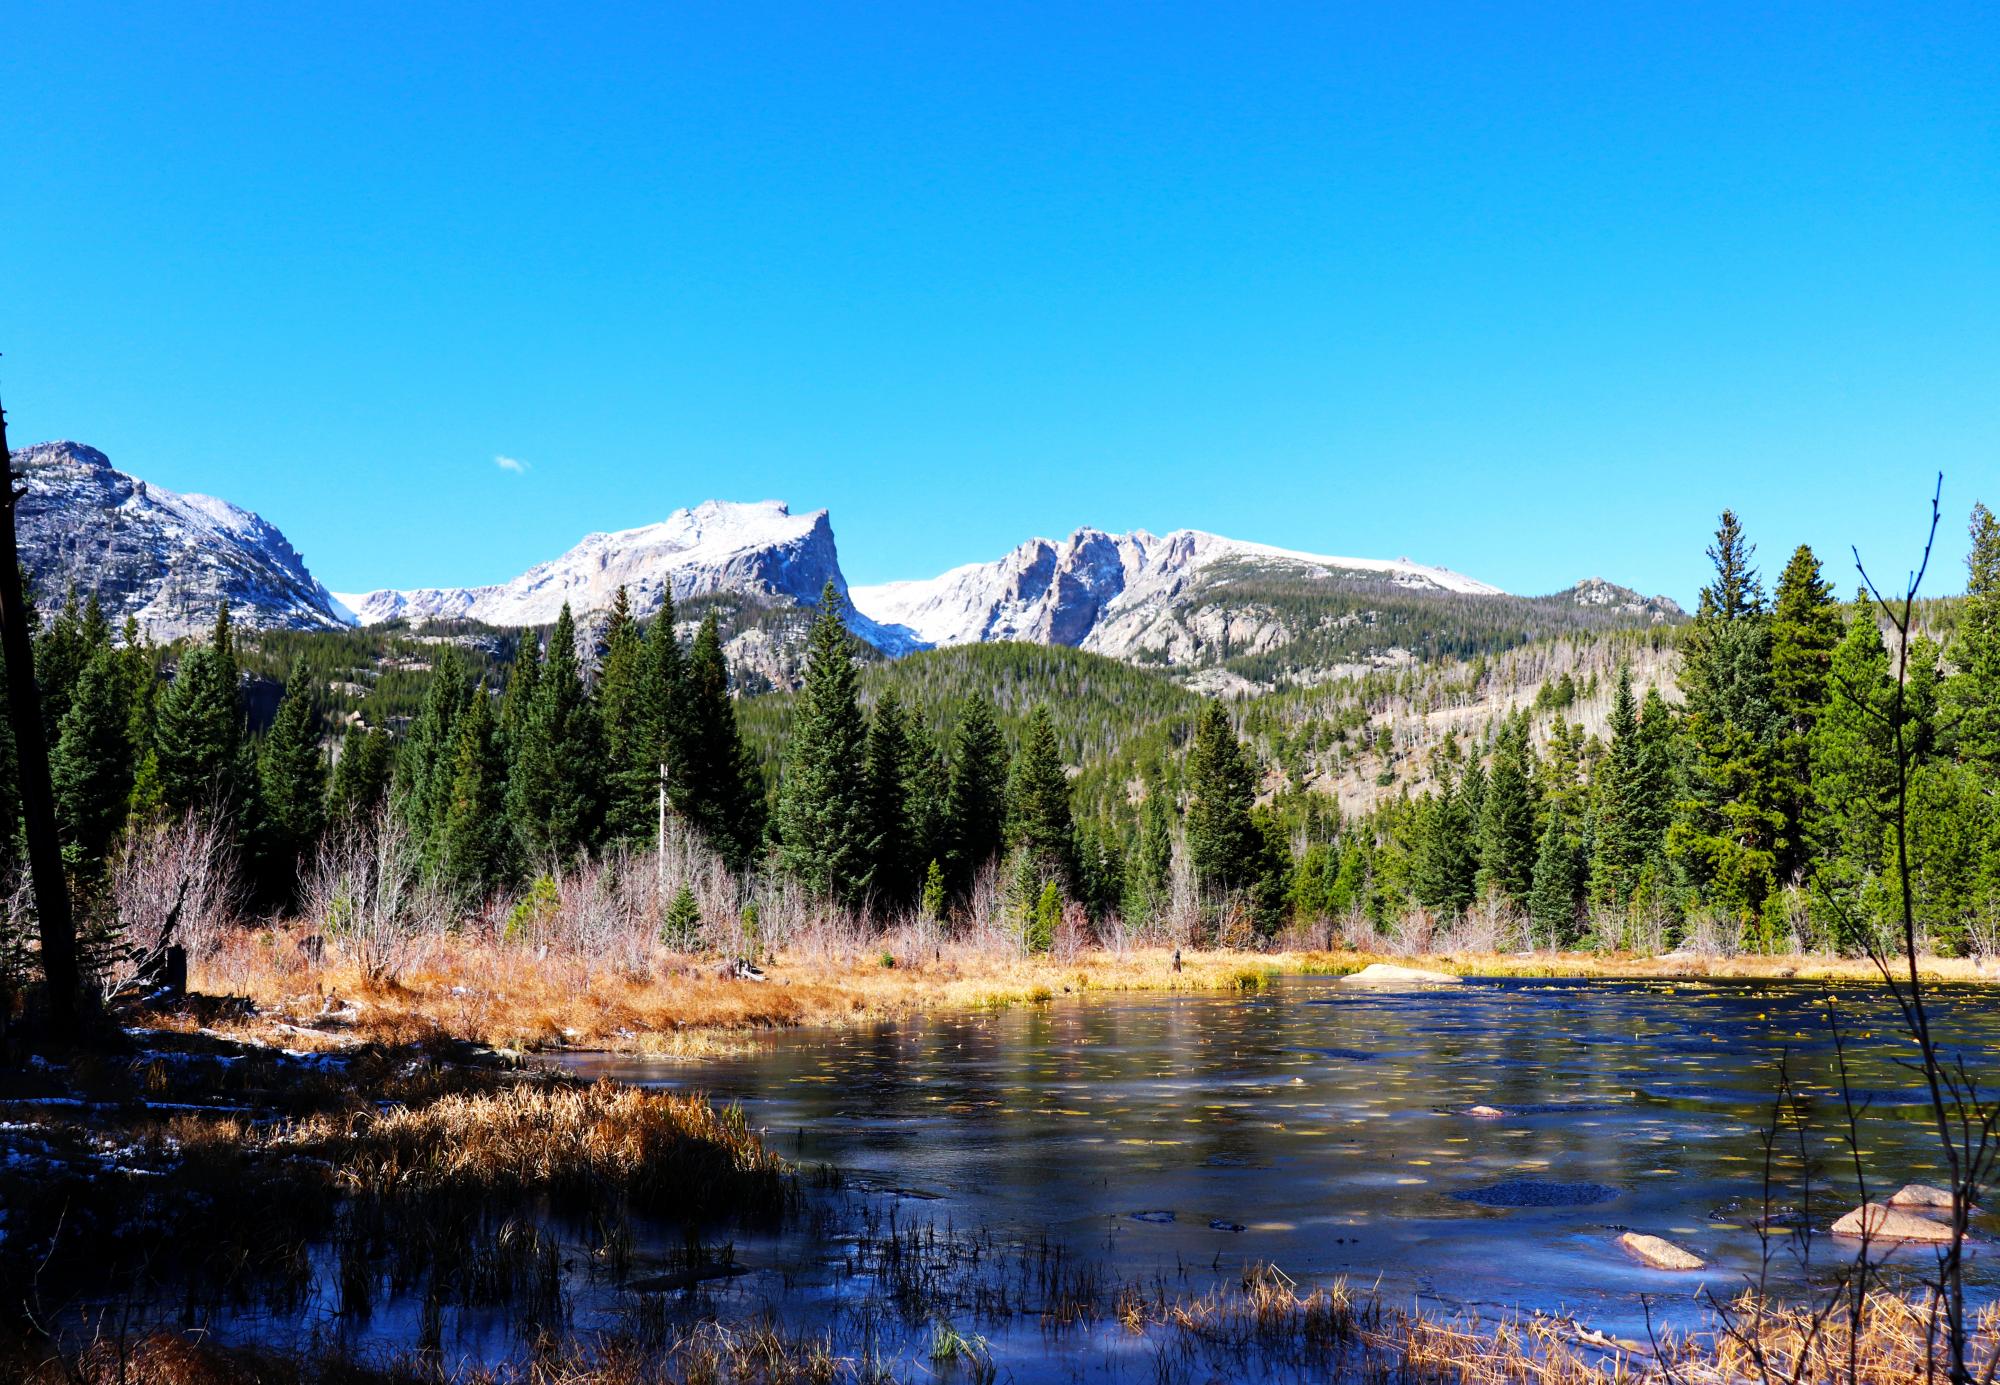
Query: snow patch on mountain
[1098,590]
[761,550]
[166,559]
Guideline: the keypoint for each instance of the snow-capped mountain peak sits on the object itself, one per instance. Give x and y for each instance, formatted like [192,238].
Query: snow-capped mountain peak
[1094,589]
[164,558]
[759,549]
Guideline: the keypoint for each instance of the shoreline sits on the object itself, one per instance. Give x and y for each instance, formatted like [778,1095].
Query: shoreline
[516,1001]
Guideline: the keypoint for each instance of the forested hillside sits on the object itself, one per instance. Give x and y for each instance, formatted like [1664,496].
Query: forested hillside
[1722,783]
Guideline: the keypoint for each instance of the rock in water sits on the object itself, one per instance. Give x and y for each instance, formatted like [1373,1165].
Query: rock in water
[1388,974]
[1882,1223]
[1658,1253]
[1486,1113]
[1922,1197]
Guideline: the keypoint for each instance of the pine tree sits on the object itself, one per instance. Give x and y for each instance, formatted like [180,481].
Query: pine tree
[629,747]
[1444,858]
[1971,696]
[927,786]
[1039,821]
[1805,628]
[885,773]
[717,785]
[976,800]
[62,649]
[681,927]
[663,697]
[1556,895]
[1507,838]
[557,781]
[91,766]
[422,783]
[1149,871]
[1221,791]
[475,837]
[823,805]
[1729,825]
[1617,840]
[1853,754]
[199,737]
[360,775]
[291,778]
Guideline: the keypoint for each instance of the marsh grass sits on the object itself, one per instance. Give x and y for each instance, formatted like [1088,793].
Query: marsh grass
[514,998]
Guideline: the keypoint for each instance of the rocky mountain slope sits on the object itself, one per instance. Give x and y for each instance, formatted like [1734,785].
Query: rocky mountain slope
[761,551]
[1217,613]
[164,558]
[1106,592]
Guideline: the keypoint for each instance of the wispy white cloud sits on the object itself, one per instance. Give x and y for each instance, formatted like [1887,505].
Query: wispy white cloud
[513,464]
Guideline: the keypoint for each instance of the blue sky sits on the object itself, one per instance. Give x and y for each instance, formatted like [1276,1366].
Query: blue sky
[1528,290]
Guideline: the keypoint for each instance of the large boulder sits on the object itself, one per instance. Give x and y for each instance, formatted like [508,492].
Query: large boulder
[1388,974]
[1882,1223]
[1658,1253]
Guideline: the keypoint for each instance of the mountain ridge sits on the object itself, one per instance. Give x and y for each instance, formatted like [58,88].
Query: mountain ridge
[1203,604]
[164,558]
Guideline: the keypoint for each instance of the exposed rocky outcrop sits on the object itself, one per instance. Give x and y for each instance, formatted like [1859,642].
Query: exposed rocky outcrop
[166,559]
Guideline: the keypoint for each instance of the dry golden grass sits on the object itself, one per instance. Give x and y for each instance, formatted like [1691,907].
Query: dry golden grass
[659,1151]
[514,998]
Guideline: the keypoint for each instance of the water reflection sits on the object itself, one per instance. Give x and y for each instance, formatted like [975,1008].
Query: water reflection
[1334,1132]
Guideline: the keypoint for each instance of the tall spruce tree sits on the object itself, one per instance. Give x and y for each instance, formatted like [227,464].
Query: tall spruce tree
[557,779]
[1729,825]
[1443,844]
[1222,789]
[291,776]
[1149,869]
[1805,628]
[199,737]
[361,775]
[1618,844]
[424,761]
[629,749]
[717,784]
[898,872]
[823,836]
[1970,698]
[91,766]
[475,838]
[927,787]
[663,703]
[1853,755]
[1555,897]
[1039,820]
[976,799]
[1507,836]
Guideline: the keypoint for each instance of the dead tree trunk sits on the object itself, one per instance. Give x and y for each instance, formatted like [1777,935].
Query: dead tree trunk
[31,757]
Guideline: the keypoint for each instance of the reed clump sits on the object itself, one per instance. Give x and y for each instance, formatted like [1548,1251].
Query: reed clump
[656,1152]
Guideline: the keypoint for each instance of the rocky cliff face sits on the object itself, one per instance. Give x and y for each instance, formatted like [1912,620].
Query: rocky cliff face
[1117,594]
[1609,596]
[760,551]
[147,552]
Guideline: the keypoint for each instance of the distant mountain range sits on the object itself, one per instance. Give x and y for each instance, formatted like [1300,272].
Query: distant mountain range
[1240,611]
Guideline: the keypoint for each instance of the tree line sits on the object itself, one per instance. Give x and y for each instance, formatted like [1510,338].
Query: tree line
[1758,800]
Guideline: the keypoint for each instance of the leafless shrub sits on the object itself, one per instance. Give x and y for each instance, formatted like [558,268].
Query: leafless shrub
[177,877]
[365,895]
